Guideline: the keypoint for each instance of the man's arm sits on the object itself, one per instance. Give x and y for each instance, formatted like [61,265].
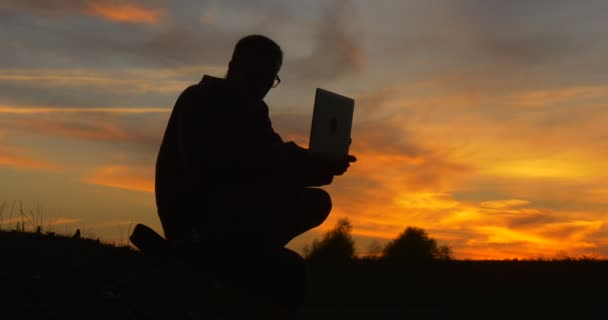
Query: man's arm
[213,148]
[188,132]
[297,164]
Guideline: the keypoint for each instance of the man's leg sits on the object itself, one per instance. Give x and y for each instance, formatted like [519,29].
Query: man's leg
[249,229]
[306,209]
[272,216]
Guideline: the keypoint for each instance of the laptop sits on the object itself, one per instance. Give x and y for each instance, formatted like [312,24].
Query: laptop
[332,120]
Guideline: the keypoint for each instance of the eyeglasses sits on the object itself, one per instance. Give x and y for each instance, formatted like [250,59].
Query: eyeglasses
[277,81]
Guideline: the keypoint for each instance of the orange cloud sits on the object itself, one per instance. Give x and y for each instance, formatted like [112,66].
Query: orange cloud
[106,9]
[30,221]
[596,194]
[546,240]
[17,159]
[100,131]
[552,97]
[546,167]
[35,110]
[526,134]
[128,80]
[62,220]
[123,177]
[383,192]
[425,200]
[124,12]
[97,128]
[503,204]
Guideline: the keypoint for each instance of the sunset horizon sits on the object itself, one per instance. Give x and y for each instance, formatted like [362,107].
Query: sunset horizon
[482,123]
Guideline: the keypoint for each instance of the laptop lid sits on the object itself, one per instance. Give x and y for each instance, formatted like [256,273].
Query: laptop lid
[332,120]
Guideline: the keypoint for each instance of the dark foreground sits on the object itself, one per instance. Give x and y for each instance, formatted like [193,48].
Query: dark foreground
[50,277]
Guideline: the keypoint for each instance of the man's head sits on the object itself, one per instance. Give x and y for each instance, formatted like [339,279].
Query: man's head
[255,63]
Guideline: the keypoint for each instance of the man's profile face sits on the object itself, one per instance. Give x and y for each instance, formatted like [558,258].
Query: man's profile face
[256,78]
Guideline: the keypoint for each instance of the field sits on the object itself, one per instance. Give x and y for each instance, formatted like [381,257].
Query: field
[58,277]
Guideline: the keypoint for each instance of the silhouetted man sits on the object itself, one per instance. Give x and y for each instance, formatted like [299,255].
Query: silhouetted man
[225,180]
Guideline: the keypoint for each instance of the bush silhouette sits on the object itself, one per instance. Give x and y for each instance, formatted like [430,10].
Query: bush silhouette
[414,245]
[336,246]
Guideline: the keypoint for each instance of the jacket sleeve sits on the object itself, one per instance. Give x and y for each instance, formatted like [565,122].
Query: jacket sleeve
[215,150]
[287,162]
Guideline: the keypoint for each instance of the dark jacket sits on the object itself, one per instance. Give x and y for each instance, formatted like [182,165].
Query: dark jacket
[215,141]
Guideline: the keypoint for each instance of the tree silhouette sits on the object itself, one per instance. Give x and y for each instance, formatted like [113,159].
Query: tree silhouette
[336,245]
[414,245]
[443,253]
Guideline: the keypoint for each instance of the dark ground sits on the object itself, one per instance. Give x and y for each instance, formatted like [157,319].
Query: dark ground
[62,278]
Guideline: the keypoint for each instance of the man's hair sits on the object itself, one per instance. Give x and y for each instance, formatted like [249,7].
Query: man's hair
[257,48]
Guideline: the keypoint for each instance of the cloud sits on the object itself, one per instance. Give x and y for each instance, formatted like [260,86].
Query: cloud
[117,11]
[524,233]
[541,168]
[123,177]
[425,200]
[547,238]
[134,135]
[42,42]
[124,13]
[94,127]
[41,110]
[503,204]
[336,48]
[95,88]
[483,46]
[20,158]
[63,220]
[499,134]
[18,162]
[182,41]
[388,189]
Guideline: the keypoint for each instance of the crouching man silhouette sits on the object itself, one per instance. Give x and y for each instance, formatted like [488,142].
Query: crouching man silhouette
[229,186]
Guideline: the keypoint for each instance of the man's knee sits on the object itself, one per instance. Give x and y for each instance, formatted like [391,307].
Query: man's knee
[320,205]
[325,204]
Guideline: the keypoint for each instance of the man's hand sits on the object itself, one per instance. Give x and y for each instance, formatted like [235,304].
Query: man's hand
[335,167]
[343,164]
[326,168]
[318,170]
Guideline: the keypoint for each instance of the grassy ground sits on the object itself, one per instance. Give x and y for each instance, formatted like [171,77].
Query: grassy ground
[63,278]
[519,289]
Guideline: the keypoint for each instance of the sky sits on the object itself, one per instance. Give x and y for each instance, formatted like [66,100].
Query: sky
[482,122]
